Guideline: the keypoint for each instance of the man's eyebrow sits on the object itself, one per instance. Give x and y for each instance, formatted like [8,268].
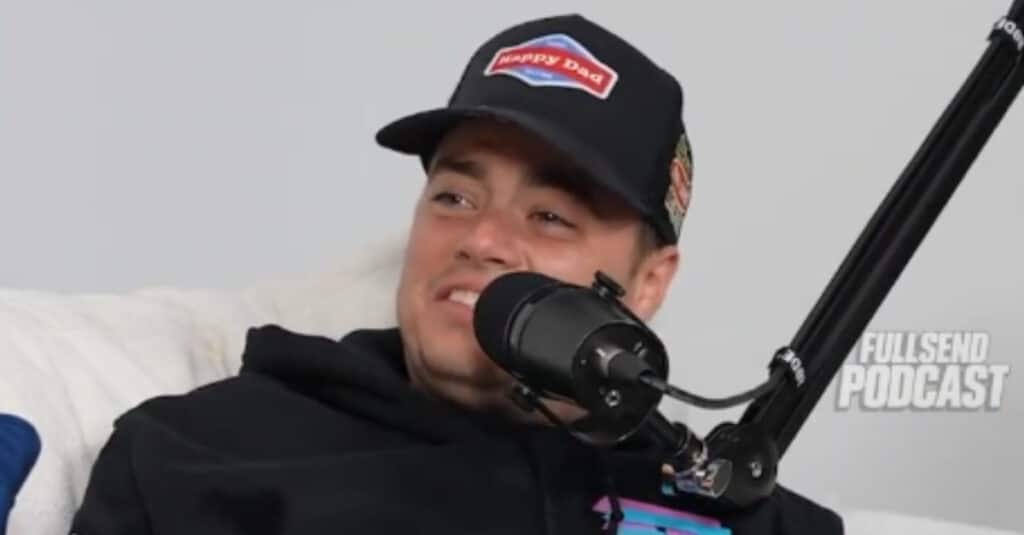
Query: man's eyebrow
[569,180]
[461,166]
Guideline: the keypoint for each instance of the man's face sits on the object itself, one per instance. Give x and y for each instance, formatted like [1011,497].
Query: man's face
[498,199]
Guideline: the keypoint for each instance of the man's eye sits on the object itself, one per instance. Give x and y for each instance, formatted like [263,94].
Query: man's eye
[547,217]
[449,198]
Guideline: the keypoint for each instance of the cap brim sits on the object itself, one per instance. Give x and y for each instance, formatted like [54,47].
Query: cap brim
[421,133]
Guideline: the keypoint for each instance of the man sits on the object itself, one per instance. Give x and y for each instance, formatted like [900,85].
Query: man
[562,151]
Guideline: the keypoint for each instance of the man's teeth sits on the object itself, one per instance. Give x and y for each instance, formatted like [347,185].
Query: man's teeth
[466,297]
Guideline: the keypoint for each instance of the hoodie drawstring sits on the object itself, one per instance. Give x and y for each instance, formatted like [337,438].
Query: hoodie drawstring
[613,496]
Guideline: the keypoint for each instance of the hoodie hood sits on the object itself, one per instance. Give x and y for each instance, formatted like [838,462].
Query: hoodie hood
[364,374]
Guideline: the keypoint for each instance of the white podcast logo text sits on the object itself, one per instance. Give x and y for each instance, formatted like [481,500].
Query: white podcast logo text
[922,371]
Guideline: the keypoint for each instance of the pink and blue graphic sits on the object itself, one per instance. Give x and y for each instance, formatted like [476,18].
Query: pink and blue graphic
[554,60]
[641,518]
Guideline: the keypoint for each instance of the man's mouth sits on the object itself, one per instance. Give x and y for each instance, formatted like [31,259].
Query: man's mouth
[463,296]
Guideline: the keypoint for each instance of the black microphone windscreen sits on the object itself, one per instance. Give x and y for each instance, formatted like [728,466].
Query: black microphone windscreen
[497,306]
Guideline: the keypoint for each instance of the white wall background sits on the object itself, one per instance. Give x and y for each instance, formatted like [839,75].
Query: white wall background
[221,143]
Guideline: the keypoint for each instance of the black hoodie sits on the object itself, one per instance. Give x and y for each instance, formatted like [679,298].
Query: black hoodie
[322,436]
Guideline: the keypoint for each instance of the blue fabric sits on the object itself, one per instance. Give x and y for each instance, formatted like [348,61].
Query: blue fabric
[19,449]
[639,521]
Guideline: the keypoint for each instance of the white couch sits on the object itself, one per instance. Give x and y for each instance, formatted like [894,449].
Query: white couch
[72,363]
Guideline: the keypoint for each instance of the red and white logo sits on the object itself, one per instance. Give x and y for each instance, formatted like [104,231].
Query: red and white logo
[554,60]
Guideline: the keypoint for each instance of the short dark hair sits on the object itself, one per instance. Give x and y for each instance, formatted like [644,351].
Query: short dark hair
[648,240]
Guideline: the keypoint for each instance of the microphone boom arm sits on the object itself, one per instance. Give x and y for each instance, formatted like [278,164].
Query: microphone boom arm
[737,463]
[895,231]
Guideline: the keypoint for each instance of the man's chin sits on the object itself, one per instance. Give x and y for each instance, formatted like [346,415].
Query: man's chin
[461,359]
[470,379]
[476,396]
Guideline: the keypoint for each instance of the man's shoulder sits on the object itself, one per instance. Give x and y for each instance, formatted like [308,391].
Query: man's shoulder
[219,399]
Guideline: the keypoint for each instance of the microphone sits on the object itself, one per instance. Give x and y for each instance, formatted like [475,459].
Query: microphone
[19,449]
[564,341]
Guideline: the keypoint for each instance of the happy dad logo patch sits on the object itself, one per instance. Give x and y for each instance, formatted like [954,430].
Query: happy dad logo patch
[554,60]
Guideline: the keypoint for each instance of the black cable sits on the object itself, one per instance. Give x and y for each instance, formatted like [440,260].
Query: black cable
[710,403]
[616,516]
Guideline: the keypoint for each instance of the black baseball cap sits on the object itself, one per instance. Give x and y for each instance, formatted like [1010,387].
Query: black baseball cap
[587,92]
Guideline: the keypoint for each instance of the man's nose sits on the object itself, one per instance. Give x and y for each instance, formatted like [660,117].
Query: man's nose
[493,240]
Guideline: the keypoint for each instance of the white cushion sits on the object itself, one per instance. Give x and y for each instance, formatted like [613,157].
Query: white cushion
[70,364]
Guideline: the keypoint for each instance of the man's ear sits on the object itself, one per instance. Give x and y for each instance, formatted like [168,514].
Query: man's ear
[651,281]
